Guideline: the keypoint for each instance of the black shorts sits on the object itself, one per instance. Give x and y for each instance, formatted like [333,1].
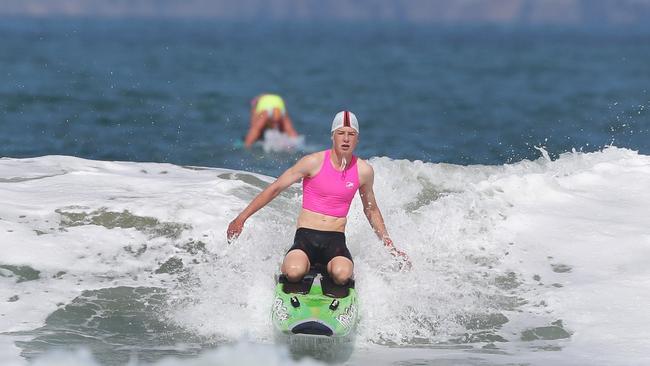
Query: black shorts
[320,246]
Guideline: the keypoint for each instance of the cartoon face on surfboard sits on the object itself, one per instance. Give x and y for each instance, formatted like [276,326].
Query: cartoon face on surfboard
[315,306]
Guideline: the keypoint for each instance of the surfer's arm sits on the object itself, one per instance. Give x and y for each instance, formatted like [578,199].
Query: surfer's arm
[256,128]
[289,177]
[287,126]
[372,211]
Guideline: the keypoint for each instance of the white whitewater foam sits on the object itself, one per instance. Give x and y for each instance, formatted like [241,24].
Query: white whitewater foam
[534,242]
[276,141]
[242,354]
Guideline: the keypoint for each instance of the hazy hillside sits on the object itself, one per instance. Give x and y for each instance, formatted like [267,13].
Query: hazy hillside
[578,12]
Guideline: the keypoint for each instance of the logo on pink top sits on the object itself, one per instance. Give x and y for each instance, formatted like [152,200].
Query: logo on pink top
[349,185]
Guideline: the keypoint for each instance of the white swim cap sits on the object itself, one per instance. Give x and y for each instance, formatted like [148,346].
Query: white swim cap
[345,119]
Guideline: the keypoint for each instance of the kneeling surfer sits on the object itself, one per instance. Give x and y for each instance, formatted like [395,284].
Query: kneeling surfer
[268,111]
[330,180]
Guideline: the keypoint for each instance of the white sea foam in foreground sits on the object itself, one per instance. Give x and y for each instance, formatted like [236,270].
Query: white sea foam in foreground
[537,262]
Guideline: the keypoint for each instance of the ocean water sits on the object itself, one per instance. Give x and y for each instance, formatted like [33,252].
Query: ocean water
[511,165]
[179,91]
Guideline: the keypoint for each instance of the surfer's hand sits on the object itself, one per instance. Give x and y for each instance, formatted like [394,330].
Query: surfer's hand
[234,229]
[404,261]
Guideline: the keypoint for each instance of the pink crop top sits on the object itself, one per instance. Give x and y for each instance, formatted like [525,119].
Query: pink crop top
[330,192]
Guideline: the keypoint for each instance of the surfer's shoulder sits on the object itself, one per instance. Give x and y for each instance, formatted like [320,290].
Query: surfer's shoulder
[311,163]
[313,158]
[365,169]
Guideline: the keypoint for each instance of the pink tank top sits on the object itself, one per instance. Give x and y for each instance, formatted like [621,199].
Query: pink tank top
[330,192]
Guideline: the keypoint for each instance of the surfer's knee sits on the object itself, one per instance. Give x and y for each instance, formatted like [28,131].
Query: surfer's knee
[295,265]
[340,269]
[295,273]
[341,276]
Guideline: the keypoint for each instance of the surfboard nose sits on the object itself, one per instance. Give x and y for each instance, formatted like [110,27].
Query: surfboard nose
[312,327]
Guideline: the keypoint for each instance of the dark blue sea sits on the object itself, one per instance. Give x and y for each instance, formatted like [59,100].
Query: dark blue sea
[179,91]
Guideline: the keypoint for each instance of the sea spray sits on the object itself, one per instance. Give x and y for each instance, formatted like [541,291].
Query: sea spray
[516,258]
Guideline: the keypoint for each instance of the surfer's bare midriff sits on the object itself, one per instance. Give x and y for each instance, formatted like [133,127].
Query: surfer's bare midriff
[313,220]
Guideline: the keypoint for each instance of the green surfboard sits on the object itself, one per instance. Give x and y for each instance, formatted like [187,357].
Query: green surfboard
[315,306]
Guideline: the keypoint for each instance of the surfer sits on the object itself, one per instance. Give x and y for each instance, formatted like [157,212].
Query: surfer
[268,112]
[330,180]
